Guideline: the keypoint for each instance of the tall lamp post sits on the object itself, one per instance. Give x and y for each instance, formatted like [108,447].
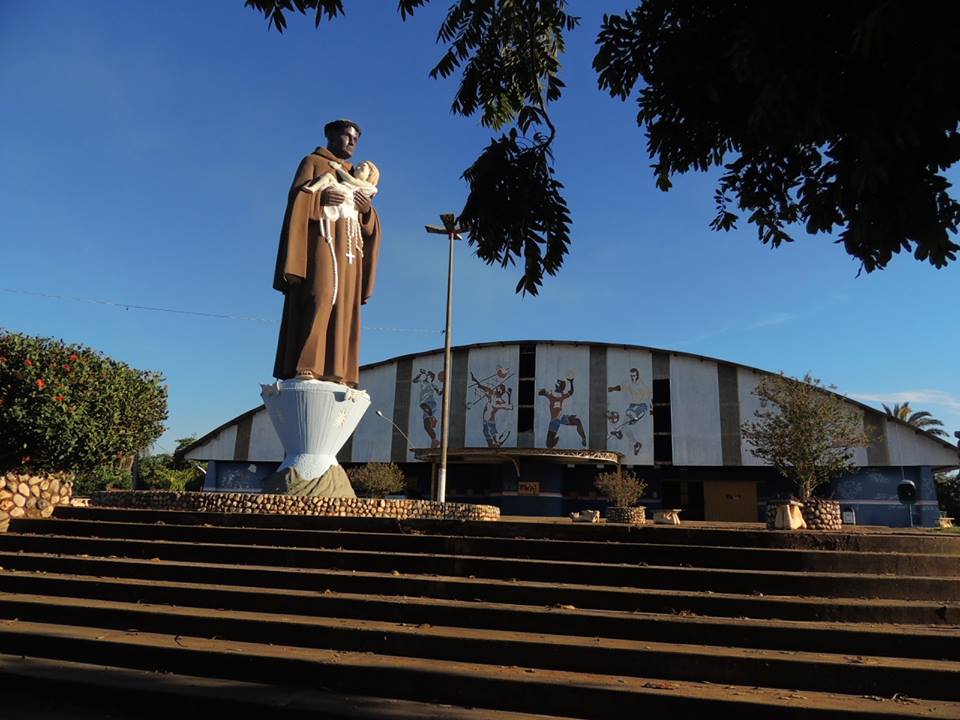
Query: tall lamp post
[452,232]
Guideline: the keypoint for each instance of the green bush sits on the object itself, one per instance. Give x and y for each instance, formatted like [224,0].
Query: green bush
[67,407]
[377,479]
[170,472]
[102,478]
[623,489]
[948,493]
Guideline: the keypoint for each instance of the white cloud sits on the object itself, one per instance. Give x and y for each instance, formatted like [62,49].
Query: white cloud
[778,319]
[918,399]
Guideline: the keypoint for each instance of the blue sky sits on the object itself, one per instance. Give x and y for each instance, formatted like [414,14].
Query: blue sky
[145,153]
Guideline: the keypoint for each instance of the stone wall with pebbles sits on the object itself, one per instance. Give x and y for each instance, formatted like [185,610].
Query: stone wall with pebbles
[633,515]
[822,514]
[31,496]
[817,514]
[251,503]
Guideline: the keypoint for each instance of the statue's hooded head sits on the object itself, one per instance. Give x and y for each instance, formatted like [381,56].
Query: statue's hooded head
[342,137]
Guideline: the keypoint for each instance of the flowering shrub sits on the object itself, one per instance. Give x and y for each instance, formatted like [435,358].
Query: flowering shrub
[71,408]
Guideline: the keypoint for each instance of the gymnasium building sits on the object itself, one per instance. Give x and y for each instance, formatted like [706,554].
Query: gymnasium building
[532,423]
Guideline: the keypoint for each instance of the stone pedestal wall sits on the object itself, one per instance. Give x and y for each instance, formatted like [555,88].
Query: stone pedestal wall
[251,503]
[31,496]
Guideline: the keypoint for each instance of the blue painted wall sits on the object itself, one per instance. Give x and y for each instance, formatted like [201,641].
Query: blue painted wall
[870,492]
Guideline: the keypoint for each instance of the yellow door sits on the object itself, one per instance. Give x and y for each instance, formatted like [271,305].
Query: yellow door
[730,500]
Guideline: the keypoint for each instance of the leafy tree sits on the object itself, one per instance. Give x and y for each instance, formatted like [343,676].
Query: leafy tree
[377,479]
[835,115]
[171,472]
[948,493]
[804,431]
[67,407]
[840,116]
[922,419]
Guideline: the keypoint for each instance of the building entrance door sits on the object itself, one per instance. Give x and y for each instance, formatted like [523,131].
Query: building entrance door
[686,495]
[730,500]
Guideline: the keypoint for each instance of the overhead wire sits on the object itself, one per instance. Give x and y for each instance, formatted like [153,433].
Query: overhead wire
[197,313]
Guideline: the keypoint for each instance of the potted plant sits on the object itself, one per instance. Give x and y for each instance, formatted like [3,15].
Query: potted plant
[623,489]
[808,433]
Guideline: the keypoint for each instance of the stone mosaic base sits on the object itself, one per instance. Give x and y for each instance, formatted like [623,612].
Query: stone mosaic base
[254,503]
[817,514]
[822,514]
[23,495]
[633,515]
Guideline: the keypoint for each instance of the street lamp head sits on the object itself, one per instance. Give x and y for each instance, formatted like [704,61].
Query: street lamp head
[449,221]
[449,228]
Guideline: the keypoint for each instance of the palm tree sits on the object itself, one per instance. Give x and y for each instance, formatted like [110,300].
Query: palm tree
[921,420]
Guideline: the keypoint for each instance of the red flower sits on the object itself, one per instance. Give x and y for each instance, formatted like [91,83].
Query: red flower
[60,398]
[41,383]
[74,357]
[66,367]
[28,362]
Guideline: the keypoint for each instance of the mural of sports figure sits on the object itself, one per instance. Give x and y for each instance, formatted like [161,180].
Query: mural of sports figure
[495,398]
[637,408]
[557,418]
[431,387]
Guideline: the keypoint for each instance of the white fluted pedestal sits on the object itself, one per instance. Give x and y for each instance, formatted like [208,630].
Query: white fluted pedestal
[313,419]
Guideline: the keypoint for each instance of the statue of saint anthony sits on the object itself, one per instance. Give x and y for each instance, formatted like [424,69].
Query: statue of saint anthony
[326,262]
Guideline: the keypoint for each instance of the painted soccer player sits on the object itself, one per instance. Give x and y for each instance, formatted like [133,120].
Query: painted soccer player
[637,408]
[428,402]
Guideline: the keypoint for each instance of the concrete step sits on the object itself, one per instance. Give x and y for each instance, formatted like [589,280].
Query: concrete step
[20,592]
[580,573]
[827,672]
[706,556]
[849,540]
[501,688]
[38,689]
[498,591]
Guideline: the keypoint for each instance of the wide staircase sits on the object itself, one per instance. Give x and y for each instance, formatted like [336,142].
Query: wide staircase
[135,614]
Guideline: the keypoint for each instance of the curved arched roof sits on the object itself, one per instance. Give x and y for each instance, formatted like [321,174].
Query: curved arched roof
[461,349]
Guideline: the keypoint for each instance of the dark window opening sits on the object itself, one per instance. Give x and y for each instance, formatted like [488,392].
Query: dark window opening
[524,419]
[525,392]
[528,361]
[661,392]
[662,449]
[661,420]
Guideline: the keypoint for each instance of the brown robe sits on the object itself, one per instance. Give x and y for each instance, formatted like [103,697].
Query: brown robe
[319,335]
